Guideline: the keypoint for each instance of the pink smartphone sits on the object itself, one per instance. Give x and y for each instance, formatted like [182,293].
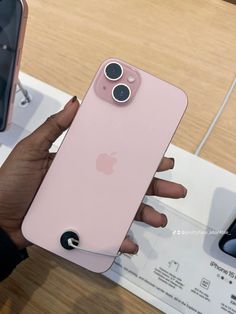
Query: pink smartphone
[94,187]
[13,18]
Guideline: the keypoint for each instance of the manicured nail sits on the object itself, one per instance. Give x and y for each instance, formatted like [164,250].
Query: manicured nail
[136,250]
[164,218]
[173,160]
[70,102]
[74,99]
[185,191]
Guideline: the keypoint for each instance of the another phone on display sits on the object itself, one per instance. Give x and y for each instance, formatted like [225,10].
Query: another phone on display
[13,17]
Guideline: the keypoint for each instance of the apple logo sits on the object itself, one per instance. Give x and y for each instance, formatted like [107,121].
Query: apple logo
[105,163]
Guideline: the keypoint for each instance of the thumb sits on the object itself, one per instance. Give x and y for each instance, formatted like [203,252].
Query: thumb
[54,126]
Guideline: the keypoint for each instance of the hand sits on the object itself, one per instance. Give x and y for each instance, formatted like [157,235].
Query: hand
[26,166]
[149,215]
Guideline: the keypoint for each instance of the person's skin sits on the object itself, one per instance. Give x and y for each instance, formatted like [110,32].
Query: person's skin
[26,166]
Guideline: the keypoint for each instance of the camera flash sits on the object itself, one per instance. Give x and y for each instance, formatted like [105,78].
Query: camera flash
[131,79]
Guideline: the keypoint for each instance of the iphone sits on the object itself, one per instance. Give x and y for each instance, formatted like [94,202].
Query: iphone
[13,17]
[228,242]
[97,181]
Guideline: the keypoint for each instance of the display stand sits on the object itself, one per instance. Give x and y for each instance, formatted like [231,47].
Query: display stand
[34,102]
[27,98]
[179,269]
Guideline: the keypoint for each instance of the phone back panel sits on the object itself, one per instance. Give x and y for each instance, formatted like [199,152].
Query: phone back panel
[103,169]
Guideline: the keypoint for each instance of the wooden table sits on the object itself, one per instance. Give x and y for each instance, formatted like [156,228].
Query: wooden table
[189,43]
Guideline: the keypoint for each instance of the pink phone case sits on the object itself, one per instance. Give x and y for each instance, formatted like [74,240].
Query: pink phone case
[104,167]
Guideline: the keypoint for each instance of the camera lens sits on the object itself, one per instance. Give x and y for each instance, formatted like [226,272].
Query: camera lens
[113,71]
[121,93]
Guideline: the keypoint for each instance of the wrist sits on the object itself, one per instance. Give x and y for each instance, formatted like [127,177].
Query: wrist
[10,255]
[16,237]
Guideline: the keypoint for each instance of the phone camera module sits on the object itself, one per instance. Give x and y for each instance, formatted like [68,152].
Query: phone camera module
[121,93]
[113,71]
[228,242]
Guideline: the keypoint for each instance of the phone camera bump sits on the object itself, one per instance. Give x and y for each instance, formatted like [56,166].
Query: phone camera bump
[113,71]
[121,93]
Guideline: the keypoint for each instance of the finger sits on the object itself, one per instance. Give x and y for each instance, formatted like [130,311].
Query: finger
[163,188]
[128,246]
[150,216]
[54,126]
[166,164]
[50,159]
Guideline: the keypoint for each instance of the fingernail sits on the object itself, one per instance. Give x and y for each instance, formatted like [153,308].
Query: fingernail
[173,160]
[185,191]
[70,102]
[136,250]
[74,99]
[164,218]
